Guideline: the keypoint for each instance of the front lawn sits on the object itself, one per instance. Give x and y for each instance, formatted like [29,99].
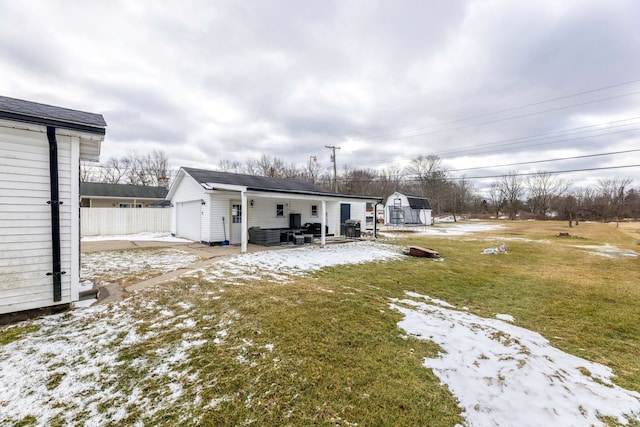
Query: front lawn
[286,342]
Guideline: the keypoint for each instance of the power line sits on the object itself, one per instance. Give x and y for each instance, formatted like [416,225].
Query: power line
[391,134]
[405,179]
[475,149]
[547,172]
[503,119]
[544,161]
[549,135]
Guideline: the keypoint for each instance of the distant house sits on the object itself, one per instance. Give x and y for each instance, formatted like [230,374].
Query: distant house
[101,195]
[407,209]
[41,147]
[213,207]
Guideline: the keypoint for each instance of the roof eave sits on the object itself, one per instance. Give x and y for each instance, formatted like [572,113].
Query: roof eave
[25,118]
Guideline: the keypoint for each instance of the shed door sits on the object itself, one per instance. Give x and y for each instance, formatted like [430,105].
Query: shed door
[188,220]
[345,214]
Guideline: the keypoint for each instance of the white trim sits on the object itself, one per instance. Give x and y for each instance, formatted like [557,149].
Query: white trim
[244,235]
[228,187]
[323,221]
[75,218]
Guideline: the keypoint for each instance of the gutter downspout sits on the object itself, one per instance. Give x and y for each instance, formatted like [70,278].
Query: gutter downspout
[55,214]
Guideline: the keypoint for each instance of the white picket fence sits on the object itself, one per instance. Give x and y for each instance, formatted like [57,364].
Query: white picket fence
[118,221]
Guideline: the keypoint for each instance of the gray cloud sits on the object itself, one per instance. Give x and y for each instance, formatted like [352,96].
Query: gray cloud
[223,79]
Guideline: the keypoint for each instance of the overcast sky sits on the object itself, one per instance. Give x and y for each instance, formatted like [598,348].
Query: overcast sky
[477,82]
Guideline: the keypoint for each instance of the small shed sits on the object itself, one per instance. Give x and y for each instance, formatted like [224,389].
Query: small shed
[407,210]
[103,195]
[214,207]
[40,151]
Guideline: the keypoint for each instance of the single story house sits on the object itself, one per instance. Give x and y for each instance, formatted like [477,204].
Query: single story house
[406,209]
[214,207]
[101,195]
[41,147]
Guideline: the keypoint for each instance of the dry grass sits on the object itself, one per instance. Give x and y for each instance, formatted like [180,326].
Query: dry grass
[326,350]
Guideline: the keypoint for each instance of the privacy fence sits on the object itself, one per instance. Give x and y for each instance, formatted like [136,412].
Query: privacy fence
[117,221]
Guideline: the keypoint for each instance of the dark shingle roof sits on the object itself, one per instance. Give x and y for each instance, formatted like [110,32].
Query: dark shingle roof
[418,202]
[33,112]
[253,182]
[98,189]
[263,183]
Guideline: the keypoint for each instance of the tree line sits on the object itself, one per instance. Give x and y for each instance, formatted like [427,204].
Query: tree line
[514,195]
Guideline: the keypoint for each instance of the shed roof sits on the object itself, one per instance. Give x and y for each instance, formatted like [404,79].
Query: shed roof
[418,202]
[210,178]
[415,202]
[114,191]
[49,115]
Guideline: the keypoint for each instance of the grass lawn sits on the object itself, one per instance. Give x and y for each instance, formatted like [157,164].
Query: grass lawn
[326,349]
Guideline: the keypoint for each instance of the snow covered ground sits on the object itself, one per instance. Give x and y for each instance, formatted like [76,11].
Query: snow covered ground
[504,375]
[442,229]
[500,373]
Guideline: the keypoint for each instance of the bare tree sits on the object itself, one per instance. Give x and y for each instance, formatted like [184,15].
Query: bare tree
[359,181]
[225,165]
[133,168]
[431,178]
[543,188]
[633,203]
[390,180]
[146,169]
[612,194]
[461,196]
[496,198]
[88,171]
[115,170]
[157,165]
[511,186]
[313,169]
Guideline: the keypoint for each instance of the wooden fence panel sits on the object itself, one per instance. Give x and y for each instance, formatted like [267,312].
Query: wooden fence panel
[118,221]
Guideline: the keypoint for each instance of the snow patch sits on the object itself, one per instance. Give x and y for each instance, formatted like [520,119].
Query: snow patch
[506,375]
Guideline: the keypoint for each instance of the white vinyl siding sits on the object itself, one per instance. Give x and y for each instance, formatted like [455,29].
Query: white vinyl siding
[25,219]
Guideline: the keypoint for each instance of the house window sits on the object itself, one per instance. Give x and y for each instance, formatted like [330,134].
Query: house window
[279,210]
[130,205]
[314,210]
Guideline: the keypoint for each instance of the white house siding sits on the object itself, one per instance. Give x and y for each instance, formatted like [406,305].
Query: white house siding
[263,212]
[25,218]
[220,207]
[358,212]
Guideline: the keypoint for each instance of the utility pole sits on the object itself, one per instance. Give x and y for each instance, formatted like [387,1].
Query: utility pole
[335,173]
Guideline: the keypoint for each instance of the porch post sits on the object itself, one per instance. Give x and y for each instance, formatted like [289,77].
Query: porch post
[244,228]
[323,221]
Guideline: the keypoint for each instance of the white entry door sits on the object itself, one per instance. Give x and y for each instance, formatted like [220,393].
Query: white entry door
[236,223]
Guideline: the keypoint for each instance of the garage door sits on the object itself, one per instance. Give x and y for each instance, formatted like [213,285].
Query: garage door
[188,220]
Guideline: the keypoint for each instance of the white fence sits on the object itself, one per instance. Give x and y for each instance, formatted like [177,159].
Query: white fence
[117,221]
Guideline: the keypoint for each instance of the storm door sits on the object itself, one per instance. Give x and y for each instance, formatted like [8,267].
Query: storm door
[236,223]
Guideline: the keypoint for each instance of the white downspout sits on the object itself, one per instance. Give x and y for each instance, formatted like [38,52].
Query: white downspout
[244,232]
